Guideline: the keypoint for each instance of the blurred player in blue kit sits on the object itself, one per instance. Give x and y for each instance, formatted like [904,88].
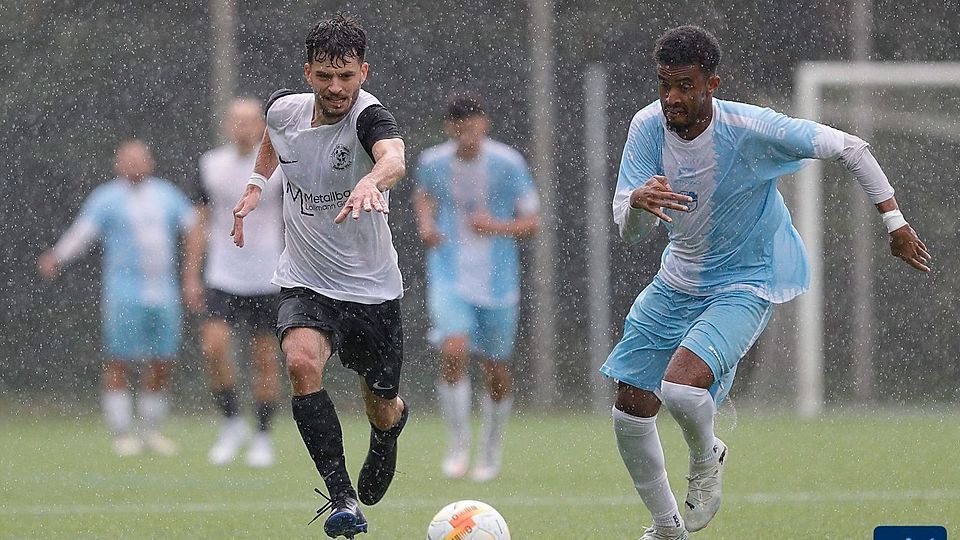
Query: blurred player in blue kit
[707,169]
[475,199]
[138,218]
[338,152]
[234,292]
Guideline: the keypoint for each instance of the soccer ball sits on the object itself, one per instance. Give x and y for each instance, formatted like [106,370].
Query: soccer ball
[468,520]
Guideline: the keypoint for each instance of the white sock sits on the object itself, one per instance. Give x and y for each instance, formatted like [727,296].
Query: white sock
[117,411]
[640,449]
[496,414]
[455,402]
[694,409]
[153,408]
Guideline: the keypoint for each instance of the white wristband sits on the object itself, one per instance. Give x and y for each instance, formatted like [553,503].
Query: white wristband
[257,179]
[893,220]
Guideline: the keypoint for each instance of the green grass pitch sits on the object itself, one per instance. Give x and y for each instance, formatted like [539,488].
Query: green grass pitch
[835,478]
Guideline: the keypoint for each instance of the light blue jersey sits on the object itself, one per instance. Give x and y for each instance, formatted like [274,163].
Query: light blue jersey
[738,235]
[139,225]
[484,270]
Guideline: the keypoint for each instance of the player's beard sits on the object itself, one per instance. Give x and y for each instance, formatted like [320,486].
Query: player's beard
[334,115]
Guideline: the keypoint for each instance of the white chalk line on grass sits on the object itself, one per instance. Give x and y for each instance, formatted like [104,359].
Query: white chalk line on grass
[580,500]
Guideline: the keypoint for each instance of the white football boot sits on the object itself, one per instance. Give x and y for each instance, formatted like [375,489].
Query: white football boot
[665,533]
[260,455]
[704,490]
[455,464]
[233,434]
[158,444]
[127,445]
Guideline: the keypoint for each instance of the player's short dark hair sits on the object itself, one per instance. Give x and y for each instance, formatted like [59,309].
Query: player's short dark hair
[336,40]
[688,46]
[464,105]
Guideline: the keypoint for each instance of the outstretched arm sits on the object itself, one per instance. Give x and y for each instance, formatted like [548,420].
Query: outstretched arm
[389,167]
[71,245]
[264,167]
[904,241]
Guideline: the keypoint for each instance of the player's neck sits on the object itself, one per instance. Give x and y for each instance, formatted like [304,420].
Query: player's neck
[244,148]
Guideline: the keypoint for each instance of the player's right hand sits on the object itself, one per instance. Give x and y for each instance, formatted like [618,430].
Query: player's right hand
[655,195]
[247,203]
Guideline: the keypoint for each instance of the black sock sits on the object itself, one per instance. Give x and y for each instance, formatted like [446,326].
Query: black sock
[264,413]
[319,427]
[226,400]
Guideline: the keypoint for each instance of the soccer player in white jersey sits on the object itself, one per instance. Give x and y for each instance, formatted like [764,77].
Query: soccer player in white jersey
[138,218]
[339,152]
[234,292]
[475,198]
[707,170]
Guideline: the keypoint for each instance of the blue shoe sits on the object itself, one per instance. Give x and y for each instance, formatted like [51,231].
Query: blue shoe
[345,517]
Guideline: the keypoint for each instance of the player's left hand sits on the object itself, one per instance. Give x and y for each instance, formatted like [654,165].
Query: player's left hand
[365,196]
[905,243]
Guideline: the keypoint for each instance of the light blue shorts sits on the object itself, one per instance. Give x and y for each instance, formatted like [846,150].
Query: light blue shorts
[719,329]
[491,331]
[135,331]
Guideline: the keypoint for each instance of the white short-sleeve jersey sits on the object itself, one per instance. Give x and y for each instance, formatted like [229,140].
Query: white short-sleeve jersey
[248,271]
[354,261]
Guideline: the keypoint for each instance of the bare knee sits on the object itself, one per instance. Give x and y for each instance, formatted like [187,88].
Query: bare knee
[306,351]
[453,359]
[637,402]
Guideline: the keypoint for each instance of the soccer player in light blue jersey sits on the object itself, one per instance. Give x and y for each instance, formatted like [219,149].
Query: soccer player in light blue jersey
[475,198]
[138,218]
[707,170]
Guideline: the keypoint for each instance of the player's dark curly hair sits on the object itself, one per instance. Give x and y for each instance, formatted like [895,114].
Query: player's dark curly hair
[336,40]
[464,105]
[687,46]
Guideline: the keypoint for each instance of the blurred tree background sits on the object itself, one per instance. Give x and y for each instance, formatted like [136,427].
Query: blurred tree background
[79,76]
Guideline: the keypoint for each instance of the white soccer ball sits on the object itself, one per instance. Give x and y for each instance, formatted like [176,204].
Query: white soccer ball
[468,520]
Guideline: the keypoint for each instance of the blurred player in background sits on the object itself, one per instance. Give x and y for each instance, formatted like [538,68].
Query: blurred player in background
[138,218]
[339,152]
[234,292]
[475,199]
[707,170]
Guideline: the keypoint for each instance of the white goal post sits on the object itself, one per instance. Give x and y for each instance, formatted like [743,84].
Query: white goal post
[811,79]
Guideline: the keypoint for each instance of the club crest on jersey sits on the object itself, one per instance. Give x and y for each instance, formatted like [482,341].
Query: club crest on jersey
[692,205]
[341,158]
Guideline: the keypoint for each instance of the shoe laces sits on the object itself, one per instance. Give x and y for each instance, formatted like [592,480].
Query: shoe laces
[326,506]
[702,484]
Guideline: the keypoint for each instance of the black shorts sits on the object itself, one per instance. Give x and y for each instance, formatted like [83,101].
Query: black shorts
[259,312]
[368,337]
